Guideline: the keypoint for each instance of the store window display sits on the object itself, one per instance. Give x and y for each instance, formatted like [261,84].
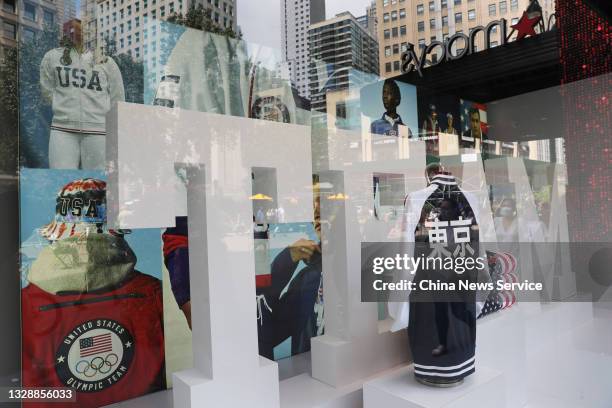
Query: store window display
[443,222]
[81,91]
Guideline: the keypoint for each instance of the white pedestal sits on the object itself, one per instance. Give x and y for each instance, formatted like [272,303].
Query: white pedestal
[191,390]
[340,363]
[602,310]
[500,344]
[484,388]
[304,391]
[554,319]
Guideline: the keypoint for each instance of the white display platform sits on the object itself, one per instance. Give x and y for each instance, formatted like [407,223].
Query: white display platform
[304,391]
[162,399]
[567,344]
[484,388]
[602,309]
[553,319]
[501,344]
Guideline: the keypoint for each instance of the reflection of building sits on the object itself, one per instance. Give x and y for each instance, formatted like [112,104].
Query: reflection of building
[22,20]
[539,150]
[342,107]
[368,20]
[270,103]
[338,45]
[72,30]
[88,23]
[296,17]
[125,22]
[560,150]
[66,10]
[424,21]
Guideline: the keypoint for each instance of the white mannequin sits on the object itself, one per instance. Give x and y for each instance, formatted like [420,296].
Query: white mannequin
[81,92]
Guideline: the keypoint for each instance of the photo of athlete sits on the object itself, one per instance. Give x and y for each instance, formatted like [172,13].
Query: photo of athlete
[289,301]
[90,320]
[389,124]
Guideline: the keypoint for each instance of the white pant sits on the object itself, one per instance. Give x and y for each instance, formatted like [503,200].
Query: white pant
[67,150]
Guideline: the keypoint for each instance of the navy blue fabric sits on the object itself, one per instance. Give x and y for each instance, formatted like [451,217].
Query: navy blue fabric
[295,310]
[180,229]
[441,318]
[383,127]
[177,263]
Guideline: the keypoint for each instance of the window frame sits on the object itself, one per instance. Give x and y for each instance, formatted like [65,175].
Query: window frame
[12,10]
[14,29]
[492,8]
[25,11]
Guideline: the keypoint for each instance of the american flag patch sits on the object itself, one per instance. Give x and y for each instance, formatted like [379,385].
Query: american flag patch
[102,343]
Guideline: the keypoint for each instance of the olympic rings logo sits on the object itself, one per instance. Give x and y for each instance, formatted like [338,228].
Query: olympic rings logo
[97,365]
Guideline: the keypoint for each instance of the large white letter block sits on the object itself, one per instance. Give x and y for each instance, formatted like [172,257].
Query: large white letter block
[356,344]
[146,148]
[544,255]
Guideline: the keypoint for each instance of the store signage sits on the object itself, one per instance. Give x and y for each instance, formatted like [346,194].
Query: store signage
[444,49]
[449,49]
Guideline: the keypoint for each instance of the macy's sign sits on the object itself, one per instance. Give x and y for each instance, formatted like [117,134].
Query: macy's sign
[448,50]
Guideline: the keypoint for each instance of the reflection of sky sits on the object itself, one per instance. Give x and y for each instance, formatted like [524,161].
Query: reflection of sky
[38,193]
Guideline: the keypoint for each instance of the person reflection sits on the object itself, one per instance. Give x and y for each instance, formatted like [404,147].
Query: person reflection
[505,223]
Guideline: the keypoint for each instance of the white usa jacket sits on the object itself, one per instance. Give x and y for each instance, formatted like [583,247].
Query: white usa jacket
[81,91]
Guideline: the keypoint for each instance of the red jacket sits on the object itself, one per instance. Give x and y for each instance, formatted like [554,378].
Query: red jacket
[107,346]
